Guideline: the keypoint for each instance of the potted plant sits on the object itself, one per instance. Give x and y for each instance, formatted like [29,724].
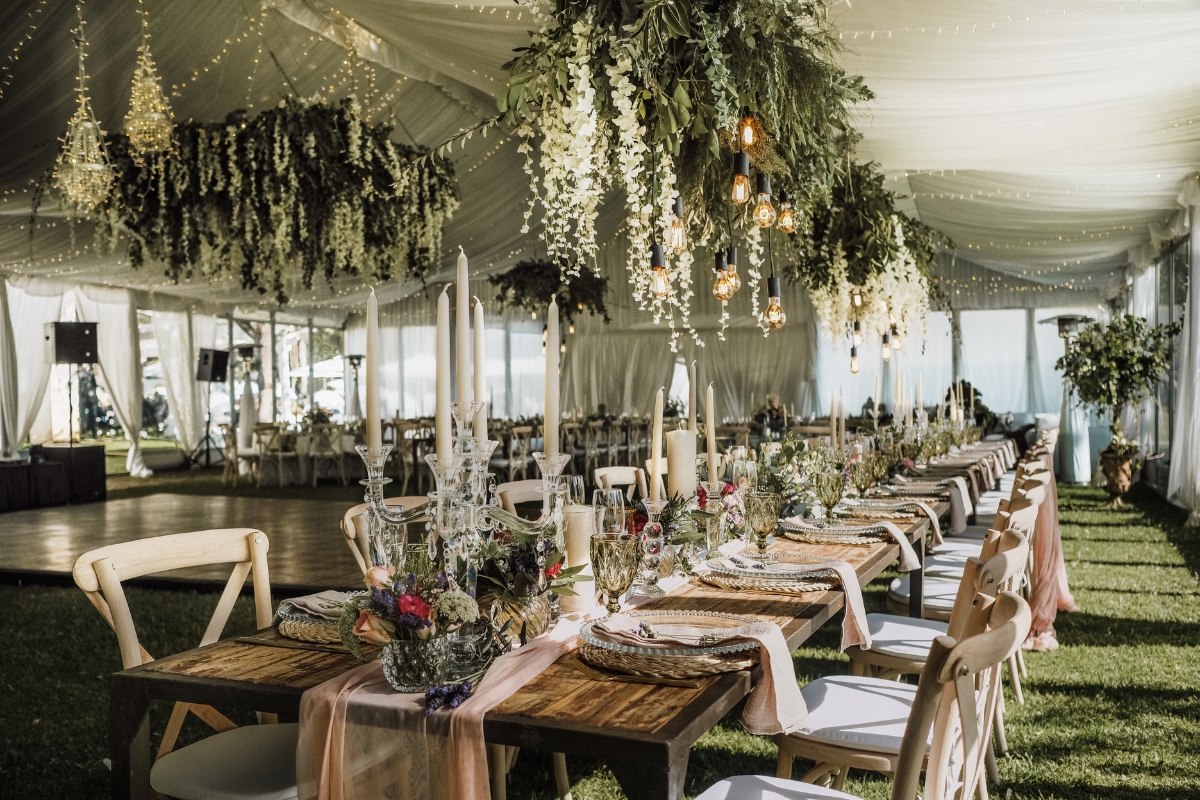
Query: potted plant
[1111,366]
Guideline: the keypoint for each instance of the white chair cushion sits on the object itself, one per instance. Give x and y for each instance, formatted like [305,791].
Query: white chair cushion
[862,713]
[904,637]
[254,762]
[939,592]
[964,548]
[760,787]
[942,565]
[973,533]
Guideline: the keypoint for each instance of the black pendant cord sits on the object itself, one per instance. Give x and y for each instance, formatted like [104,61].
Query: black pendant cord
[771,249]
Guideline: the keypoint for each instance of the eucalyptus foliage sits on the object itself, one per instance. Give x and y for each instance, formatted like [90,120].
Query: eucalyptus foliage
[1114,365]
[302,190]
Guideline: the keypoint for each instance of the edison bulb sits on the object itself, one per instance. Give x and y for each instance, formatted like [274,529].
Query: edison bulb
[676,235]
[571,328]
[740,193]
[660,284]
[857,299]
[897,341]
[747,134]
[722,288]
[773,316]
[857,333]
[735,280]
[887,348]
[764,212]
[562,348]
[741,189]
[854,360]
[787,218]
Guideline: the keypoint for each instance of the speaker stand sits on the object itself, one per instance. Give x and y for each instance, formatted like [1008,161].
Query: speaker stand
[208,442]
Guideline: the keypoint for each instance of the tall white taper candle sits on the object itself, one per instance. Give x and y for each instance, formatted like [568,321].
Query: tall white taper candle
[656,445]
[550,427]
[481,419]
[442,417]
[462,336]
[710,420]
[692,394]
[374,417]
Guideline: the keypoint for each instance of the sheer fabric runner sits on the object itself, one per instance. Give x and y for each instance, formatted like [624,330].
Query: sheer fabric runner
[1049,592]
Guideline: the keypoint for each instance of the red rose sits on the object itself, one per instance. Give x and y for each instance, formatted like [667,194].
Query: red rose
[728,489]
[554,570]
[637,522]
[412,604]
[702,496]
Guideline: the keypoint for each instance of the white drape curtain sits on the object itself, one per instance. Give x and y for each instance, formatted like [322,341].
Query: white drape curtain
[180,336]
[119,350]
[1183,481]
[30,306]
[1138,420]
[621,371]
[10,441]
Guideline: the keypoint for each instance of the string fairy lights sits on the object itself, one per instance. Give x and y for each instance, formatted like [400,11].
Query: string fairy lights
[83,172]
[148,123]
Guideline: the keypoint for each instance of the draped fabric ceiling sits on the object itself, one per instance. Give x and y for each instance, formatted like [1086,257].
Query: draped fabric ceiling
[1050,143]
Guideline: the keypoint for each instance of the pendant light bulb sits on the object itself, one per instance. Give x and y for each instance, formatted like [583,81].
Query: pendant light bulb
[676,235]
[854,360]
[887,348]
[764,212]
[773,316]
[722,289]
[731,272]
[747,129]
[741,179]
[857,333]
[897,340]
[660,284]
[857,299]
[787,218]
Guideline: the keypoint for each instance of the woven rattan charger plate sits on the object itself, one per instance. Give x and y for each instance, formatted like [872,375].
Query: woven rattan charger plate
[676,663]
[306,628]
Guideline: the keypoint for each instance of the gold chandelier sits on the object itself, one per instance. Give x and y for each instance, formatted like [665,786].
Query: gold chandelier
[83,172]
[148,123]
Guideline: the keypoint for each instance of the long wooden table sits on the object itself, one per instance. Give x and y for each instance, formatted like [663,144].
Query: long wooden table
[643,732]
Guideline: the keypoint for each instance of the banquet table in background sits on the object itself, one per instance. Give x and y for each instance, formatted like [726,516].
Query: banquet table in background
[643,732]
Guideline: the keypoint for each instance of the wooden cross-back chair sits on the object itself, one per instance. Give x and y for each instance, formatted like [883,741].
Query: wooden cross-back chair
[515,492]
[327,447]
[944,729]
[660,478]
[100,574]
[354,526]
[515,457]
[268,443]
[631,479]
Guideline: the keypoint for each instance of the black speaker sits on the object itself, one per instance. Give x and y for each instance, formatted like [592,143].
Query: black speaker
[212,365]
[71,343]
[85,470]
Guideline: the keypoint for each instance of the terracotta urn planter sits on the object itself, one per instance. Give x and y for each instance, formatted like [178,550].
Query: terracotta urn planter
[1118,476]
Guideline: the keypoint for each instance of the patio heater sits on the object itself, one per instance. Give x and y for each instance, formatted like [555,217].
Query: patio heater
[246,411]
[353,405]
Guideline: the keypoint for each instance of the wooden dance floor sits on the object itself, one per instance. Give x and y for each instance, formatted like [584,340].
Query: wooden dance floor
[306,544]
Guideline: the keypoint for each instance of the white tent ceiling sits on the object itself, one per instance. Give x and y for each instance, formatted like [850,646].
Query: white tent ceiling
[1046,142]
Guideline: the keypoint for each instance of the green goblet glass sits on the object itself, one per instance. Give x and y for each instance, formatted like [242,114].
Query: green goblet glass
[762,515]
[829,488]
[863,475]
[615,560]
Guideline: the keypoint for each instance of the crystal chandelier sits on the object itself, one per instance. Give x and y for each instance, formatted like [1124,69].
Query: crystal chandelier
[83,172]
[148,123]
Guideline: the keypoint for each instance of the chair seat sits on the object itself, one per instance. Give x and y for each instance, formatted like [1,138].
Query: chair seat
[255,762]
[761,787]
[952,546]
[865,714]
[946,565]
[975,533]
[903,637]
[939,592]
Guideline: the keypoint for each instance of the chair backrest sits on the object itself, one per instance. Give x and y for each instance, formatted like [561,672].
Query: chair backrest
[100,573]
[519,492]
[326,441]
[661,478]
[739,433]
[518,448]
[354,526]
[1002,556]
[956,697]
[632,479]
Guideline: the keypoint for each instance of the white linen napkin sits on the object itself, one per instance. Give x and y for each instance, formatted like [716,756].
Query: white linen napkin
[775,705]
[908,556]
[327,604]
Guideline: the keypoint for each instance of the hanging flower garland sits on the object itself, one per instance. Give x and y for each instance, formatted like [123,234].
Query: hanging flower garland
[301,190]
[646,97]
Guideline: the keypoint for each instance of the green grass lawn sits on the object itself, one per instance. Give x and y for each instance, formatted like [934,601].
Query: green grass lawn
[1113,713]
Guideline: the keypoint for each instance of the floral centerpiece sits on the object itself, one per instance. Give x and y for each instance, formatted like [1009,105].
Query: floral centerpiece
[793,470]
[1113,366]
[410,614]
[677,524]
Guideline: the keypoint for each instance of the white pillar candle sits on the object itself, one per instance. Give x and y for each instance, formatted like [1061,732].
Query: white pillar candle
[656,445]
[681,464]
[692,398]
[878,379]
[462,337]
[442,417]
[550,428]
[580,525]
[481,419]
[711,422]
[374,417]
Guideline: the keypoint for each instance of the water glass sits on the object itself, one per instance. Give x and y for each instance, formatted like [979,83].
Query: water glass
[575,492]
[609,505]
[615,559]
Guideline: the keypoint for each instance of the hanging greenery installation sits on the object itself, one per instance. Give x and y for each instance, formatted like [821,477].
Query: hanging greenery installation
[532,283]
[302,190]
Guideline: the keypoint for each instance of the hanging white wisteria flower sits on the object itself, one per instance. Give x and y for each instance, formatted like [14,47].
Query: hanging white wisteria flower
[83,172]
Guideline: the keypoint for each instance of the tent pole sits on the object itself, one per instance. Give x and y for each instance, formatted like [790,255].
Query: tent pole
[274,373]
[312,370]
